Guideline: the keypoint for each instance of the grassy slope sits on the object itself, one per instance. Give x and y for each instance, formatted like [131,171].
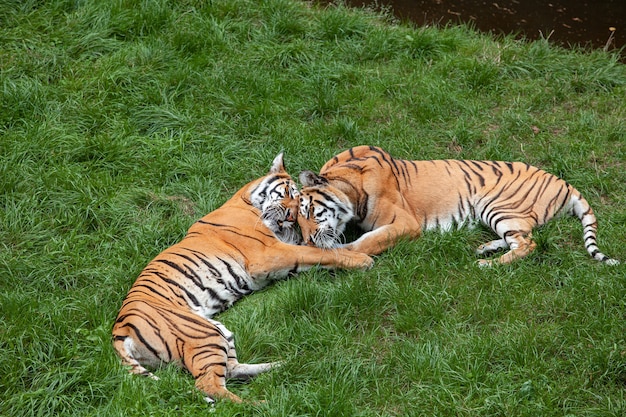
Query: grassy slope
[121,122]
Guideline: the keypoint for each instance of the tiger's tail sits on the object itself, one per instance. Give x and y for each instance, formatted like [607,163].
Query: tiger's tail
[583,211]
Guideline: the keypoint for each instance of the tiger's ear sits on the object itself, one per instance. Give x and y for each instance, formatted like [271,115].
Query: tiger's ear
[278,165]
[310,179]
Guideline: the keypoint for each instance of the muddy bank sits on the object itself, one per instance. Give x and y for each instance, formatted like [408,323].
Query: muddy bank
[565,22]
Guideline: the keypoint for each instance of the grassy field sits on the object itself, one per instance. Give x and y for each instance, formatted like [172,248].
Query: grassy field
[122,122]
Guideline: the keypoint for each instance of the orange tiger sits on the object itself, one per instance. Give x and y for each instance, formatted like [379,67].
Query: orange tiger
[392,198]
[227,254]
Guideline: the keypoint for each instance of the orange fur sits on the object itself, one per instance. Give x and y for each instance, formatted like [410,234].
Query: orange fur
[392,198]
[230,252]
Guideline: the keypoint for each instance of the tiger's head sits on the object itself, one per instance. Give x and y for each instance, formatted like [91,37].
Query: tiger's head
[277,197]
[324,211]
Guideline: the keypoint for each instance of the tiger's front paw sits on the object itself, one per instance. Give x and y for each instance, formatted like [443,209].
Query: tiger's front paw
[364,262]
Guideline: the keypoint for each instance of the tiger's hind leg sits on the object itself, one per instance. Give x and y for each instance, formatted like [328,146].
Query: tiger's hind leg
[212,381]
[216,360]
[519,242]
[234,369]
[208,364]
[493,246]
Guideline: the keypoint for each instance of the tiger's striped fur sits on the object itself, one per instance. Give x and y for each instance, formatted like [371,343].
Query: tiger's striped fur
[393,198]
[227,254]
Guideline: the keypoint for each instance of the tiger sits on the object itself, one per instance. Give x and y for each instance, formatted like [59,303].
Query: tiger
[390,199]
[167,315]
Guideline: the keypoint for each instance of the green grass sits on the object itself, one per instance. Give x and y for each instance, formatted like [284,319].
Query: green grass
[122,122]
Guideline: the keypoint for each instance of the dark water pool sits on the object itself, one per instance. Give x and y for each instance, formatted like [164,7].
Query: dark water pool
[599,23]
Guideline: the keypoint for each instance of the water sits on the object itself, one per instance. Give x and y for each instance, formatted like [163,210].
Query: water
[599,24]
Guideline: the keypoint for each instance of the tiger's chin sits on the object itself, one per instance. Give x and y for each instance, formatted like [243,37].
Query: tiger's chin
[286,233]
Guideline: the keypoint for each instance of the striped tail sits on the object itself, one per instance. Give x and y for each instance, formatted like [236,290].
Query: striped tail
[582,210]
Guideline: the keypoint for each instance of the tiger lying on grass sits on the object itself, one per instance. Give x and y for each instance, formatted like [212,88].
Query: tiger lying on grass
[392,198]
[227,254]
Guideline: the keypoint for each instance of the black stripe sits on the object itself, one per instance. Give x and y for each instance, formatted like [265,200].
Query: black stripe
[591,237]
[149,288]
[212,224]
[242,287]
[208,351]
[189,273]
[247,236]
[481,179]
[203,258]
[192,297]
[143,341]
[557,201]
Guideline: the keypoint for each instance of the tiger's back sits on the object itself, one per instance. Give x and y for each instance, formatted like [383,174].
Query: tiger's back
[391,198]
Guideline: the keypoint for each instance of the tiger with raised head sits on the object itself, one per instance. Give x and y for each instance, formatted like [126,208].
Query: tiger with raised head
[227,254]
[393,198]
